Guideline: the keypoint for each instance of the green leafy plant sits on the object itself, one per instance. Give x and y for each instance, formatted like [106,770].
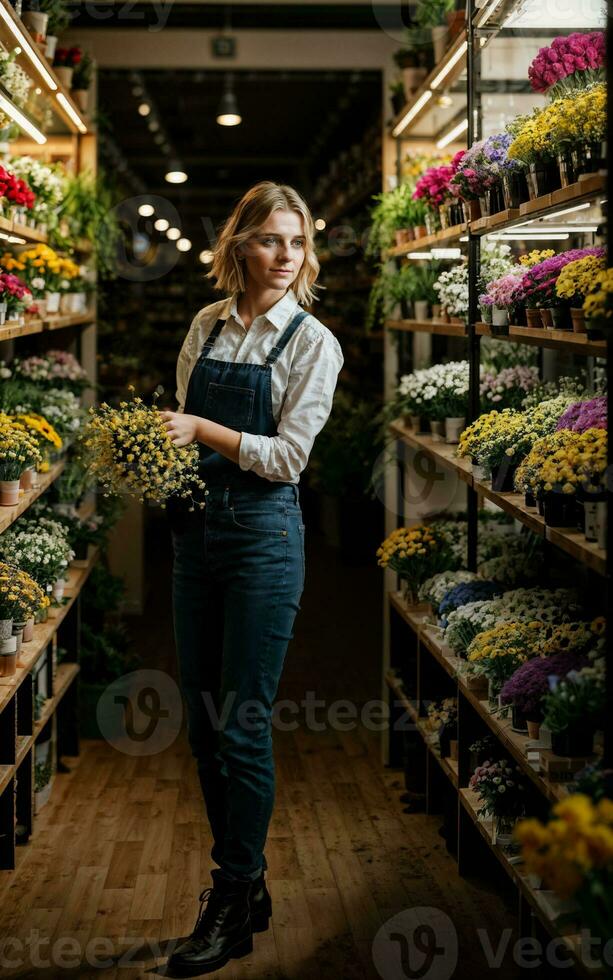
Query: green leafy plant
[59,15]
[82,75]
[432,13]
[89,209]
[106,654]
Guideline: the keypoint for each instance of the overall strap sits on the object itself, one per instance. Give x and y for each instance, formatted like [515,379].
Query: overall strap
[212,337]
[287,335]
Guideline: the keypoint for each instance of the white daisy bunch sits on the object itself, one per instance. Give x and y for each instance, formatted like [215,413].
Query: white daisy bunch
[44,554]
[430,391]
[451,287]
[14,78]
[434,589]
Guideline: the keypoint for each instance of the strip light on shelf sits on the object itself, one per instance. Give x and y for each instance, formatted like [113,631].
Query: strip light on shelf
[557,214]
[445,70]
[446,253]
[487,13]
[419,255]
[412,112]
[28,48]
[20,118]
[451,135]
[529,236]
[71,112]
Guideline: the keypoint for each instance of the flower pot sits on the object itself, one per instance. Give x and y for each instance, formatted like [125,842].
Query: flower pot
[453,428]
[533,317]
[3,308]
[416,423]
[420,231]
[6,629]
[514,189]
[546,318]
[439,43]
[53,302]
[577,317]
[593,504]
[412,79]
[559,509]
[560,318]
[534,728]
[9,492]
[58,588]
[519,722]
[480,473]
[529,499]
[81,97]
[502,477]
[577,741]
[28,479]
[403,236]
[36,22]
[436,311]
[500,321]
[437,430]
[8,656]
[543,178]
[421,309]
[50,46]
[431,223]
[496,199]
[64,74]
[567,171]
[486,313]
[28,630]
[18,634]
[409,594]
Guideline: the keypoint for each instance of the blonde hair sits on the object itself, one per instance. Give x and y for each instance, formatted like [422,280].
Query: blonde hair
[248,216]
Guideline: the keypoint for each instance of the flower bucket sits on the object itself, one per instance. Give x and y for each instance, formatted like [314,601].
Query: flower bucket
[28,630]
[479,472]
[437,430]
[64,73]
[514,190]
[416,423]
[496,199]
[437,310]
[559,509]
[484,206]
[539,504]
[453,427]
[533,317]
[502,477]
[18,634]
[591,503]
[546,318]
[560,318]
[50,46]
[500,321]
[529,499]
[567,171]
[431,227]
[486,313]
[9,492]
[6,629]
[28,479]
[403,236]
[519,722]
[534,728]
[573,742]
[3,308]
[36,22]
[421,309]
[8,656]
[53,302]
[542,179]
[504,832]
[58,588]
[443,212]
[577,317]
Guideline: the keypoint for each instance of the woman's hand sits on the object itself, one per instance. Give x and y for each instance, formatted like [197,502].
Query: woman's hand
[181,428]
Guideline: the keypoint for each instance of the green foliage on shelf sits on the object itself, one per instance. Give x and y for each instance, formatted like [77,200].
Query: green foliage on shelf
[432,13]
[345,451]
[59,15]
[394,210]
[82,75]
[106,655]
[89,209]
[43,771]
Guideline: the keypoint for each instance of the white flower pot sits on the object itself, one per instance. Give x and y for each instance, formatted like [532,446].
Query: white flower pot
[500,316]
[58,588]
[28,630]
[36,22]
[64,74]
[6,629]
[421,309]
[51,46]
[453,428]
[9,492]
[3,307]
[53,302]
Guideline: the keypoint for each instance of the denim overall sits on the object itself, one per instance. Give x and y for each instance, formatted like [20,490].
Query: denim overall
[238,576]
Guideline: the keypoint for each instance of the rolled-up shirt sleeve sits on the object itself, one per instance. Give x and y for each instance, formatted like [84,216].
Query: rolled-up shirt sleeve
[184,364]
[306,407]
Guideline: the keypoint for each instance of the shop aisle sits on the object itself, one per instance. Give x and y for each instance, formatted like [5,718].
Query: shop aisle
[122,850]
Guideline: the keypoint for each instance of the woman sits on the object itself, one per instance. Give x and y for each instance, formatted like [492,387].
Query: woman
[255,380]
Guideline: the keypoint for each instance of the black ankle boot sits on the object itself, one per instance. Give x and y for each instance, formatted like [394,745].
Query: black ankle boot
[260,904]
[222,932]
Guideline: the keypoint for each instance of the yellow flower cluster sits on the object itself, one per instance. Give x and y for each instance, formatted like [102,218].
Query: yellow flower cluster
[40,260]
[20,595]
[408,542]
[18,448]
[576,842]
[564,461]
[40,425]
[577,278]
[575,119]
[518,640]
[598,303]
[528,259]
[128,450]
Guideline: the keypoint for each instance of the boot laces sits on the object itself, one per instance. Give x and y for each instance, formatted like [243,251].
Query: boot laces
[205,905]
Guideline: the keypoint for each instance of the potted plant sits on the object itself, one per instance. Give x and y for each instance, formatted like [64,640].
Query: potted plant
[502,794]
[14,297]
[81,81]
[573,284]
[573,708]
[64,62]
[498,652]
[431,14]
[34,17]
[59,18]
[415,553]
[18,451]
[528,686]
[443,721]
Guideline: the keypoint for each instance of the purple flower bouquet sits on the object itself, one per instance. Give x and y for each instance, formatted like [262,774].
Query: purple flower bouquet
[526,688]
[580,416]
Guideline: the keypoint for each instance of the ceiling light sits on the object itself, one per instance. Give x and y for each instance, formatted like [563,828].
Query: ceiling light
[20,118]
[68,108]
[206,256]
[451,135]
[146,210]
[173,234]
[28,49]
[445,70]
[175,176]
[184,244]
[412,112]
[161,224]
[144,109]
[320,224]
[227,113]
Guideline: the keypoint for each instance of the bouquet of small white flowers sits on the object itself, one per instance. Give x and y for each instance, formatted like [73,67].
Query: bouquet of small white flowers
[437,392]
[434,589]
[451,288]
[15,79]
[42,552]
[46,180]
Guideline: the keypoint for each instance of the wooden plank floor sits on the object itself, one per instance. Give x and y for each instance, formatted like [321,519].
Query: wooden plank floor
[122,849]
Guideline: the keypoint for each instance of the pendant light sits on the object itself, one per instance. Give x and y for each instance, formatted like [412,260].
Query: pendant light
[227,113]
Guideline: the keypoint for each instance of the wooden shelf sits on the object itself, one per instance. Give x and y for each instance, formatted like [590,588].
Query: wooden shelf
[567,539]
[59,321]
[43,632]
[64,677]
[458,64]
[26,497]
[428,326]
[13,330]
[564,340]
[441,238]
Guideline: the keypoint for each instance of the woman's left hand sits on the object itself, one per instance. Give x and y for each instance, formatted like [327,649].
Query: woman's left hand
[181,428]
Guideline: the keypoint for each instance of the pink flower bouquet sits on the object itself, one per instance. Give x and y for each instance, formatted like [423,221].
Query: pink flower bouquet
[14,293]
[575,61]
[433,186]
[505,292]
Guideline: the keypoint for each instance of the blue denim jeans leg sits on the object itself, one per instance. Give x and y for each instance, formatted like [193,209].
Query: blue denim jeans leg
[237,581]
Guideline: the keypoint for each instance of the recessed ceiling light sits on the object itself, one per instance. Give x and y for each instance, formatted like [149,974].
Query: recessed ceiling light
[320,224]
[161,224]
[173,234]
[144,109]
[206,256]
[175,177]
[146,210]
[184,244]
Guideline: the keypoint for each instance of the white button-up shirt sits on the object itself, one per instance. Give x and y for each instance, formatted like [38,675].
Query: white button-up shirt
[303,378]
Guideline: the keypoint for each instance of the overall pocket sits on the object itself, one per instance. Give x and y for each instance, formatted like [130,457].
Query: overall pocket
[229,405]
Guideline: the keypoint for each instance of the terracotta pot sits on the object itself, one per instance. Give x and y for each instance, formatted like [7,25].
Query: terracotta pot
[401,236]
[577,317]
[28,480]
[9,492]
[533,317]
[534,728]
[546,318]
[420,231]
